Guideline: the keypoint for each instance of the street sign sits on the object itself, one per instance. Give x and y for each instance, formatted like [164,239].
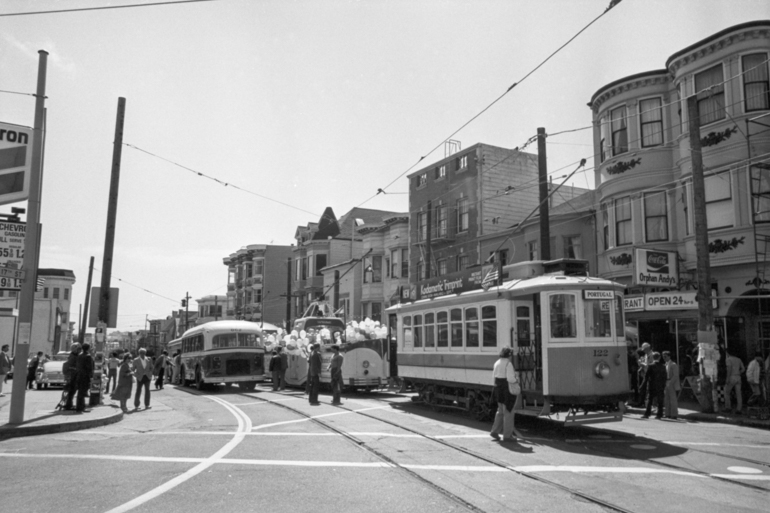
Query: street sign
[17,274]
[15,162]
[12,236]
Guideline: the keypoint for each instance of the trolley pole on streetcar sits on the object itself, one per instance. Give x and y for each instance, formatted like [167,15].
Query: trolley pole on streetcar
[707,337]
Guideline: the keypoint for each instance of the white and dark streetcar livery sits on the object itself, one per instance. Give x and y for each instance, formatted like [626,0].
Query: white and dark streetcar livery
[222,352]
[566,331]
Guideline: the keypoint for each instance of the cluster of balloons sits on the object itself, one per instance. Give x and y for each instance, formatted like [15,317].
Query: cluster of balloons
[365,330]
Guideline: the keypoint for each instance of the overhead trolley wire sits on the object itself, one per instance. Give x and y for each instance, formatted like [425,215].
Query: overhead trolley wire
[102,8]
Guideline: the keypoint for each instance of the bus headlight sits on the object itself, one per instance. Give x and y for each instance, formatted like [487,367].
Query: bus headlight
[602,370]
[366,364]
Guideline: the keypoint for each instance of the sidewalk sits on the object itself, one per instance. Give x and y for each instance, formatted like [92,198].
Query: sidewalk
[40,417]
[691,411]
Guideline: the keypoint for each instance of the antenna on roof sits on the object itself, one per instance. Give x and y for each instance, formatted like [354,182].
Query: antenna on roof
[451,146]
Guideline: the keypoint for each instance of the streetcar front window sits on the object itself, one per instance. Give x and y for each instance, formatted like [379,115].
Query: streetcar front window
[598,314]
[563,312]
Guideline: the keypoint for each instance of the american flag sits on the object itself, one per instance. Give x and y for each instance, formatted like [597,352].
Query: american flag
[490,279]
[40,283]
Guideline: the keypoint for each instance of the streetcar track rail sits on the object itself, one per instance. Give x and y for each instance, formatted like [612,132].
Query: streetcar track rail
[571,491]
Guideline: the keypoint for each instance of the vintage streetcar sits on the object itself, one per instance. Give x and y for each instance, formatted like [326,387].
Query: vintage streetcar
[566,330]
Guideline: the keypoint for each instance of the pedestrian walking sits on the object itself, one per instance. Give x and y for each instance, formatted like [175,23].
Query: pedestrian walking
[143,373]
[32,369]
[159,369]
[335,368]
[753,376]
[5,366]
[673,386]
[125,383]
[85,371]
[314,373]
[275,370]
[655,382]
[506,381]
[735,368]
[112,371]
[70,371]
[284,366]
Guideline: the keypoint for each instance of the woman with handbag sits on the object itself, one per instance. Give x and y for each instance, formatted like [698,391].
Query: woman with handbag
[506,390]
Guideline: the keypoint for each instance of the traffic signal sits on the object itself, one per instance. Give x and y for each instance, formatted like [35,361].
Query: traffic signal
[184,302]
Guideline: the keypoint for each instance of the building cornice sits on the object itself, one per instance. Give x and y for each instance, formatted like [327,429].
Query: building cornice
[645,79]
[717,42]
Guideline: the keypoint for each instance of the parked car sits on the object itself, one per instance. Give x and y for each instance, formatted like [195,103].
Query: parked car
[50,372]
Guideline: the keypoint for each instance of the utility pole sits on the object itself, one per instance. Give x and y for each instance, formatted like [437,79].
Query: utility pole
[112,211]
[707,337]
[31,249]
[88,299]
[288,292]
[186,305]
[542,174]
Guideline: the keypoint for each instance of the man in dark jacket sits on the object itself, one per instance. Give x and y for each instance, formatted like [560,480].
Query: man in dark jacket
[69,369]
[655,383]
[85,371]
[314,373]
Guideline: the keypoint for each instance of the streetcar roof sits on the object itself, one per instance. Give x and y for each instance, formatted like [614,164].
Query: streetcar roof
[518,287]
[229,326]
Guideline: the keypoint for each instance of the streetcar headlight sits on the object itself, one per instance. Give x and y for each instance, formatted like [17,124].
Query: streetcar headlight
[602,370]
[366,364]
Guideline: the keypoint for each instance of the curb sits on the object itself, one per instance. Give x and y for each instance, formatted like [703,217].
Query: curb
[715,419]
[15,432]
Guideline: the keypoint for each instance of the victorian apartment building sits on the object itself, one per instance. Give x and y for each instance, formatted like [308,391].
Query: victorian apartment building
[257,283]
[644,188]
[457,202]
[337,245]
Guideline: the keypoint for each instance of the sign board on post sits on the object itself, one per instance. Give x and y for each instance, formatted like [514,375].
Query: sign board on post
[15,162]
[93,310]
[12,236]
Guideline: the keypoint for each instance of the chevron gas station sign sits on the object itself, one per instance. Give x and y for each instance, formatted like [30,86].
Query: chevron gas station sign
[15,160]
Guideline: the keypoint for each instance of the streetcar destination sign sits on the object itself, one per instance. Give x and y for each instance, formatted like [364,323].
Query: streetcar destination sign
[599,294]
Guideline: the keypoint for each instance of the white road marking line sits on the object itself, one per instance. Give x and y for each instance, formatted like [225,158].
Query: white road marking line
[244,426]
[267,402]
[308,419]
[669,442]
[352,464]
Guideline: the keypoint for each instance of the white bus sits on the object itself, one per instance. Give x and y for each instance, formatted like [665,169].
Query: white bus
[222,352]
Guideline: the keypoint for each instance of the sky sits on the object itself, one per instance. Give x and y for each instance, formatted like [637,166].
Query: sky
[297,105]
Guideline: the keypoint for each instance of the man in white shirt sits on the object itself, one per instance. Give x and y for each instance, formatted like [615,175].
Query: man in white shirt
[143,373]
[753,373]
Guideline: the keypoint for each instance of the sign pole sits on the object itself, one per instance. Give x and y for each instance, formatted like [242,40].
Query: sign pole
[28,286]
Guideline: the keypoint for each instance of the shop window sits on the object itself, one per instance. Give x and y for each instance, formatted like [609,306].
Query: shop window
[655,216]
[711,94]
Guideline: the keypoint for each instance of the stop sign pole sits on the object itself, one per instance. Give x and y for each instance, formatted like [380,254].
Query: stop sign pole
[31,251]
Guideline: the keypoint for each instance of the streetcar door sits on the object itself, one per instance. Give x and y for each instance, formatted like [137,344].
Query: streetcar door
[524,343]
[392,349]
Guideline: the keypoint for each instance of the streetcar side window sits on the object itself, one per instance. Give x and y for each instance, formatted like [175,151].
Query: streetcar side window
[430,330]
[598,315]
[563,315]
[489,326]
[407,326]
[456,317]
[442,329]
[471,327]
[418,331]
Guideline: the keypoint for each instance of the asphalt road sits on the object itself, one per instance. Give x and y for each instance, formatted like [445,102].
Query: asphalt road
[227,451]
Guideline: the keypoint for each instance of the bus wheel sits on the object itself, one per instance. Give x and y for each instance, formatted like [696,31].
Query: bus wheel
[199,383]
[247,386]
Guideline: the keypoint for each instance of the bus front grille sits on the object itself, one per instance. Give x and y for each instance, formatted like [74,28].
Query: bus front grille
[237,367]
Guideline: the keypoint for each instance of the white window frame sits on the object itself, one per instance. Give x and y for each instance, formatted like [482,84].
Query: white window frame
[645,110]
[706,96]
[629,220]
[745,73]
[719,180]
[648,216]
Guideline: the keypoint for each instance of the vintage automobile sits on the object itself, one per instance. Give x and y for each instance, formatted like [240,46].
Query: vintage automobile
[50,372]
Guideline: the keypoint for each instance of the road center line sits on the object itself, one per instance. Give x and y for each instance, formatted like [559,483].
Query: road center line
[244,426]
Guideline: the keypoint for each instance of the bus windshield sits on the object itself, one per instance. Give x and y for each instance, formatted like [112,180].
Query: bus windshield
[225,340]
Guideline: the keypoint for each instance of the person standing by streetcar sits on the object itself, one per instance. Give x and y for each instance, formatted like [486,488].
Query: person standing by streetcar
[504,375]
[284,365]
[275,370]
[177,367]
[335,368]
[314,373]
[112,371]
[655,384]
